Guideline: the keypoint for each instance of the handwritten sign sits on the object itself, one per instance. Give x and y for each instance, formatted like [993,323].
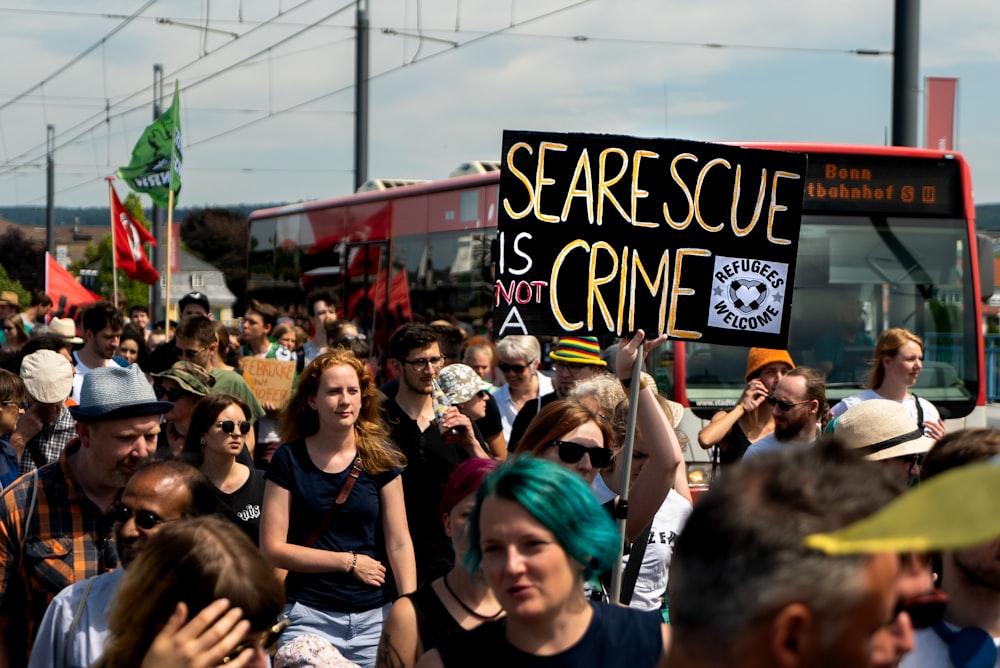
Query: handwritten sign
[602,235]
[270,380]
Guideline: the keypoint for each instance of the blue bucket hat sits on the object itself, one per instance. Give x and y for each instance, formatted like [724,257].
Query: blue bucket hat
[114,392]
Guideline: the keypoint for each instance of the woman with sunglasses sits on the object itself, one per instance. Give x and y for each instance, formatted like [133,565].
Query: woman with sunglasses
[537,533]
[332,484]
[216,437]
[467,390]
[519,358]
[15,335]
[460,600]
[573,436]
[183,384]
[896,365]
[198,595]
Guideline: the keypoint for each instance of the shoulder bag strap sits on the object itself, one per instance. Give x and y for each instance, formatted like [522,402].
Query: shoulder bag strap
[635,556]
[345,491]
[920,411]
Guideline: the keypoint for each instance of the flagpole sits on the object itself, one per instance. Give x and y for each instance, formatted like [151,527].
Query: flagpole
[114,241]
[170,256]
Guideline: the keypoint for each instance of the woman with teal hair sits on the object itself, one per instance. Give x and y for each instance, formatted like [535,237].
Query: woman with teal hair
[537,533]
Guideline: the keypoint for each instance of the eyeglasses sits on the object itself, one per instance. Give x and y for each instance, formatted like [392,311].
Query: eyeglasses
[229,426]
[571,453]
[924,609]
[187,352]
[8,328]
[422,363]
[516,368]
[572,368]
[266,643]
[784,405]
[171,395]
[144,519]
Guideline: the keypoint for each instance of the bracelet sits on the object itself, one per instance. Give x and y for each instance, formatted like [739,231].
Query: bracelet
[354,562]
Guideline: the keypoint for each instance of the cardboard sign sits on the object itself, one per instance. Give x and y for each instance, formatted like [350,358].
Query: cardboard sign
[602,235]
[270,380]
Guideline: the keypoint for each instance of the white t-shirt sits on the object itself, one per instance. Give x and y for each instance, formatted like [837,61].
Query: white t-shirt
[930,651]
[651,582]
[910,404]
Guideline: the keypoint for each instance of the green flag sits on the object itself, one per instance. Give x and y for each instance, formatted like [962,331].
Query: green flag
[156,158]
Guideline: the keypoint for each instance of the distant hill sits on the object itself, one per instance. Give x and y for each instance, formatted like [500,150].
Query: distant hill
[35,216]
[988,217]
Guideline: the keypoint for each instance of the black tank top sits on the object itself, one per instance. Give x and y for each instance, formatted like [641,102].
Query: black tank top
[434,622]
[738,444]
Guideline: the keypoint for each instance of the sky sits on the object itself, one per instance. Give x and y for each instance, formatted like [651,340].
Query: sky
[267,86]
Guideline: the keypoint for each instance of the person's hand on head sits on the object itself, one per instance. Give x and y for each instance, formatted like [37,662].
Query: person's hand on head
[753,396]
[203,641]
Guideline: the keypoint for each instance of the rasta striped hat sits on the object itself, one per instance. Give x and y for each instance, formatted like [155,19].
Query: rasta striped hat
[578,350]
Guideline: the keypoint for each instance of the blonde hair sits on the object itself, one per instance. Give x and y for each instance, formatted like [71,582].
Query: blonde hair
[298,419]
[889,343]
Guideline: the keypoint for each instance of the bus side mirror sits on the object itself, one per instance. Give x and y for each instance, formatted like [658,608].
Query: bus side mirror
[984,246]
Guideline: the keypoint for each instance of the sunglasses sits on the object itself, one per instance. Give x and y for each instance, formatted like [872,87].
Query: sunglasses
[571,453]
[229,426]
[924,609]
[144,519]
[171,395]
[267,643]
[784,405]
[516,368]
[571,368]
[187,352]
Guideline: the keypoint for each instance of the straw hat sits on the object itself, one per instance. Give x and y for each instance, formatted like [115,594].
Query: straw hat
[881,429]
[66,328]
[114,392]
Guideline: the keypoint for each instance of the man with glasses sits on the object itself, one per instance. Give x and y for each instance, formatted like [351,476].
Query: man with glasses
[415,357]
[574,359]
[196,343]
[162,356]
[102,331]
[75,626]
[798,404]
[54,529]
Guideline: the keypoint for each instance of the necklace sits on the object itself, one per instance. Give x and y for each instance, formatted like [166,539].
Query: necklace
[467,608]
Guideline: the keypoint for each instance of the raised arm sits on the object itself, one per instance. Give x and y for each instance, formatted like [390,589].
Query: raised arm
[717,431]
[653,483]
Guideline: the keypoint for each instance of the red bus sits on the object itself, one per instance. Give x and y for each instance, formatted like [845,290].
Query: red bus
[887,232]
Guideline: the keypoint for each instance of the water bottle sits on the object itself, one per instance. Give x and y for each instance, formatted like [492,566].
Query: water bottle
[441,406]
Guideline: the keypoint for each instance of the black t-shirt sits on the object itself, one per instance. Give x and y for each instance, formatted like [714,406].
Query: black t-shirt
[524,417]
[488,426]
[243,505]
[616,636]
[429,463]
[314,493]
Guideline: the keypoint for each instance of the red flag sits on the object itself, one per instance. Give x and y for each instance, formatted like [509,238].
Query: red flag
[941,113]
[129,237]
[65,290]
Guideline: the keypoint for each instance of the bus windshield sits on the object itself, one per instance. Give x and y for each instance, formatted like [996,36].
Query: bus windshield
[857,276]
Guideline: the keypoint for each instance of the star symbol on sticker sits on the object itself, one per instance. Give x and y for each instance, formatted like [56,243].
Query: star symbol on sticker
[717,290]
[778,297]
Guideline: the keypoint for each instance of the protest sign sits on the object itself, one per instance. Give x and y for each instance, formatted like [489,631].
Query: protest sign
[271,380]
[602,235]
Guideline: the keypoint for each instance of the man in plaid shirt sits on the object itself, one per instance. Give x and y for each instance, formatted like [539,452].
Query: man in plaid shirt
[53,525]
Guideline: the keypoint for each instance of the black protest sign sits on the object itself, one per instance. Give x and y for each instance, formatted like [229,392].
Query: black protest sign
[602,235]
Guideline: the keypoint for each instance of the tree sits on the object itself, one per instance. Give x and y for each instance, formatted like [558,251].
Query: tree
[101,255]
[23,259]
[219,237]
[8,283]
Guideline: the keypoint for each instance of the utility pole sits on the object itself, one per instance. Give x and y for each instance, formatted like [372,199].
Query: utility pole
[361,96]
[50,189]
[157,218]
[905,72]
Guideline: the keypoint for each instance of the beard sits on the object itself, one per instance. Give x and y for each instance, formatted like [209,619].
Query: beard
[787,431]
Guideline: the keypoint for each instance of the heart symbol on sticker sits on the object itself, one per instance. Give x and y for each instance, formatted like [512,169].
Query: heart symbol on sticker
[747,294]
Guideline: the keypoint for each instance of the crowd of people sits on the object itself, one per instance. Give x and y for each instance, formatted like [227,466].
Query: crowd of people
[494,503]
